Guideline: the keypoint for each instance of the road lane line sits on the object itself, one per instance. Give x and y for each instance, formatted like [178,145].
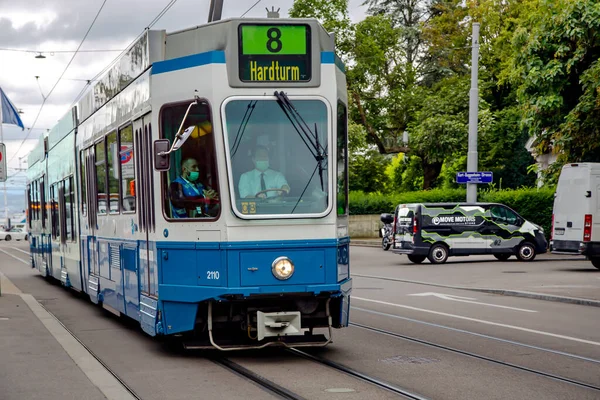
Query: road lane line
[452,297]
[22,251]
[481,321]
[15,257]
[530,346]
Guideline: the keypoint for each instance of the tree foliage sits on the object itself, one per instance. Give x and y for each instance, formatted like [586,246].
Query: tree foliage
[554,66]
[408,69]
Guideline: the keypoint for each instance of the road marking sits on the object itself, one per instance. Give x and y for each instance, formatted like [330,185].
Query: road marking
[562,353]
[22,251]
[481,321]
[15,257]
[467,300]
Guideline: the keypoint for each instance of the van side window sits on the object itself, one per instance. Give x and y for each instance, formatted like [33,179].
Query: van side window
[511,217]
[503,215]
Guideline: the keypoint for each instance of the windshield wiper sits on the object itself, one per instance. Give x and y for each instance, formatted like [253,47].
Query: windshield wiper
[315,148]
[242,128]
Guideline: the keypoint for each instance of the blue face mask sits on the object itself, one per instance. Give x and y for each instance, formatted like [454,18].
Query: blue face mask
[194,175]
[262,165]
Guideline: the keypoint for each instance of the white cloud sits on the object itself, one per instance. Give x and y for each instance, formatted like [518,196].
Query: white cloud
[19,19]
[59,25]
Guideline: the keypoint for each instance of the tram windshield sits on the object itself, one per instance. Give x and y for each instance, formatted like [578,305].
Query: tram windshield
[278,156]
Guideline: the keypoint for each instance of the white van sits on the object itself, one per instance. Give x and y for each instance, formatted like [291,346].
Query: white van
[576,212]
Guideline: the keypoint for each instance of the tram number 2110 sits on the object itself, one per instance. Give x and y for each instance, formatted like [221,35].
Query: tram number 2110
[212,275]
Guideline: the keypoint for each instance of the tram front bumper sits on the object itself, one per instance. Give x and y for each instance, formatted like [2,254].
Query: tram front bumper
[197,294]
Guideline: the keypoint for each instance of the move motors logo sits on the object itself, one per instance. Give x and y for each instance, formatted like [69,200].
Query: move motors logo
[453,220]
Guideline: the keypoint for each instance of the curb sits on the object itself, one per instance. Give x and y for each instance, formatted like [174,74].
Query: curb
[502,292]
[365,243]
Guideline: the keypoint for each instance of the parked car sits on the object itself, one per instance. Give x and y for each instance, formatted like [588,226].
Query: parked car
[437,231]
[576,212]
[15,233]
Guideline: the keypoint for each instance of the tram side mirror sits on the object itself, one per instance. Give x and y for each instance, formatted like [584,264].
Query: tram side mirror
[161,155]
[180,139]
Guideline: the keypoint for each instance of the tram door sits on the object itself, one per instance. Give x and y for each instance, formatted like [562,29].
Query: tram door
[145,203]
[89,246]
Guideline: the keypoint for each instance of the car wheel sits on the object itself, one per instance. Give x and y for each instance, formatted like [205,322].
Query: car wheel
[502,257]
[7,238]
[416,259]
[526,252]
[438,254]
[596,262]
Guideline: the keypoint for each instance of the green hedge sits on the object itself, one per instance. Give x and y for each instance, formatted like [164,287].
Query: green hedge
[533,204]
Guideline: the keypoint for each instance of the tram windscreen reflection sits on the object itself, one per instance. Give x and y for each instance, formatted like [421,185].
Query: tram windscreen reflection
[278,156]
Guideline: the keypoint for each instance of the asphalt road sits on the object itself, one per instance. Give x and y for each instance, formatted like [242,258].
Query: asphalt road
[454,346]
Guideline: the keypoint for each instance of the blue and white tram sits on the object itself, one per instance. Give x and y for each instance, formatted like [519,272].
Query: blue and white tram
[250,267]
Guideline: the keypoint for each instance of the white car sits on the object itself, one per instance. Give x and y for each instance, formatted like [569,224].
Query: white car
[14,233]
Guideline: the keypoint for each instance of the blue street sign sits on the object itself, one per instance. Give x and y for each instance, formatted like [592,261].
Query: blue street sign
[474,177]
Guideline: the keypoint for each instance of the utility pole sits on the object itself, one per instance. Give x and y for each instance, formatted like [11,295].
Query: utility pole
[215,11]
[473,110]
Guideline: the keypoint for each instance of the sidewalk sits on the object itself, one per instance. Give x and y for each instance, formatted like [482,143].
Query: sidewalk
[37,355]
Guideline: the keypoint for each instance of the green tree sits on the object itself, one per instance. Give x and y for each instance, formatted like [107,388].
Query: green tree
[502,150]
[333,15]
[554,64]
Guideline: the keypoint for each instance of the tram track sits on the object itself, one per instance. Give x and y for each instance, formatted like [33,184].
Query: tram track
[356,374]
[264,383]
[477,356]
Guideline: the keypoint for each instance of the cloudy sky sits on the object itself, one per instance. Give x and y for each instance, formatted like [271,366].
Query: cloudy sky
[56,28]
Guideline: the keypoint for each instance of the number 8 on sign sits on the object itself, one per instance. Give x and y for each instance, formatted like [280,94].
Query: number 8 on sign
[274,35]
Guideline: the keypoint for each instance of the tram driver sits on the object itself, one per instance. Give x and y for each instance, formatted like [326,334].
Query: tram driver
[262,181]
[189,197]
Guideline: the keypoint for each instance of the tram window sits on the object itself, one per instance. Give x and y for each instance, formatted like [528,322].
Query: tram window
[54,211]
[43,203]
[191,190]
[102,199]
[126,155]
[291,157]
[342,159]
[32,205]
[83,184]
[112,153]
[37,200]
[69,197]
[29,205]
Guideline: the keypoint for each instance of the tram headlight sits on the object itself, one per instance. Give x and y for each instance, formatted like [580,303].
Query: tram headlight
[283,268]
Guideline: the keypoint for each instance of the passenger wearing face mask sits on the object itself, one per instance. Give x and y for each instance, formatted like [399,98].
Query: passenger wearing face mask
[262,178]
[188,194]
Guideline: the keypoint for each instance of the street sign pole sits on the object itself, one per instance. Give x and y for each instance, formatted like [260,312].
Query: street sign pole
[473,109]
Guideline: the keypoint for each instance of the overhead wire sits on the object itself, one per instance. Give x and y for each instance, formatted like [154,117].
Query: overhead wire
[248,10]
[59,51]
[58,80]
[150,25]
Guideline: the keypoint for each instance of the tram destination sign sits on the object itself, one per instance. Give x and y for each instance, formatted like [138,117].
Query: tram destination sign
[274,53]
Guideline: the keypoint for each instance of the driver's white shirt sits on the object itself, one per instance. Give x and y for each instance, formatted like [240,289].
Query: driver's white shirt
[250,182]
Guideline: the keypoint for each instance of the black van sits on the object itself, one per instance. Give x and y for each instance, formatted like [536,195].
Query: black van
[438,230]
